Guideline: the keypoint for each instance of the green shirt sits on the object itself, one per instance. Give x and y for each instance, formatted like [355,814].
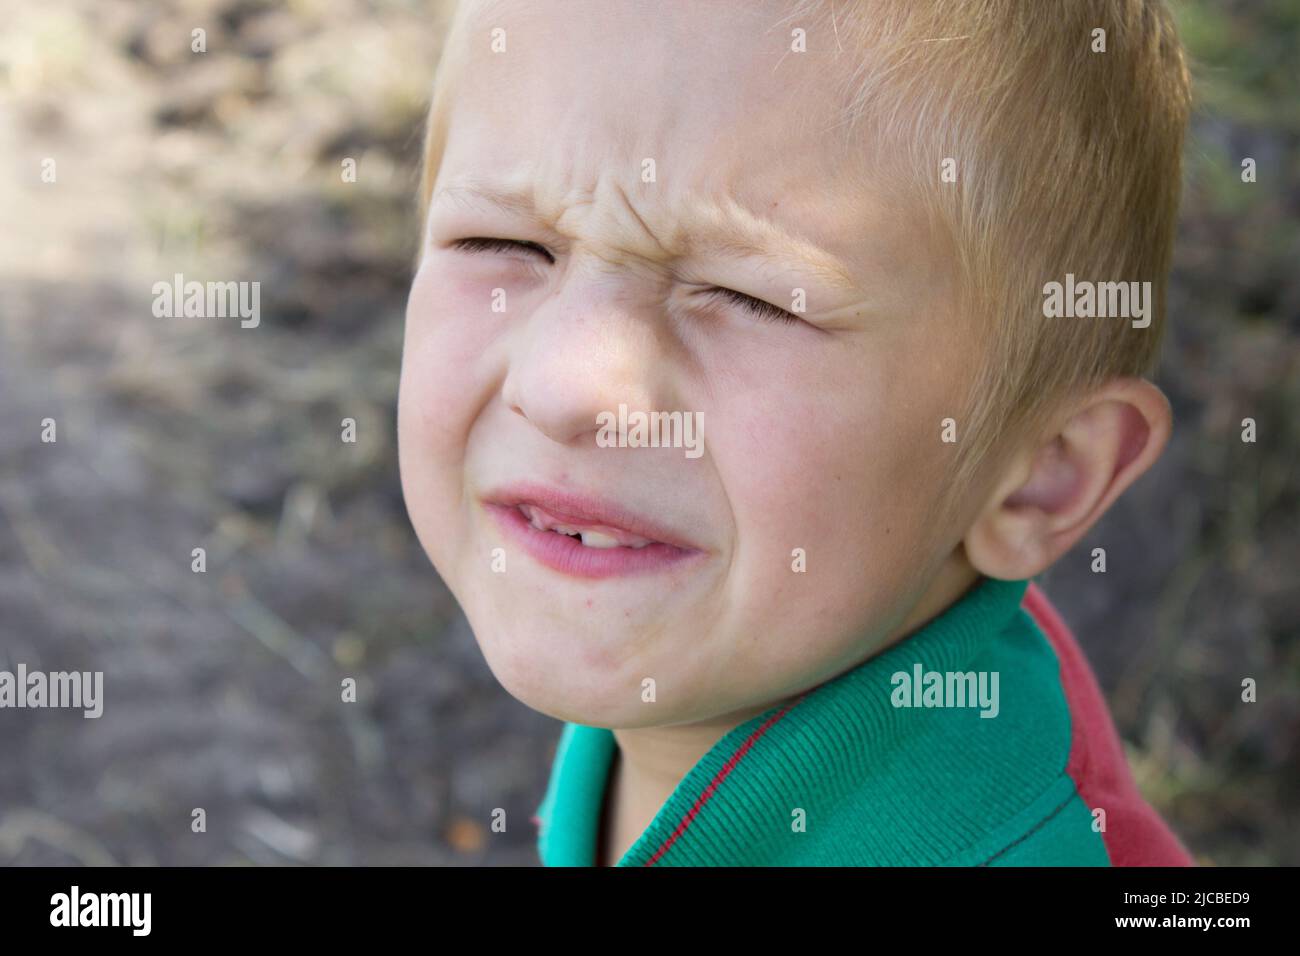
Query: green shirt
[877,767]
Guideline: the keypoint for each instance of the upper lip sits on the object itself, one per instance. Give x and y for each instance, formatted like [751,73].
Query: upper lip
[582,509]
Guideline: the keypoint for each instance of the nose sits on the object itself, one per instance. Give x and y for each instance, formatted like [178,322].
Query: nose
[587,348]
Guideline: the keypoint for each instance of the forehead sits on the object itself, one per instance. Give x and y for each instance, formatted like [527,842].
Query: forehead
[568,102]
[667,71]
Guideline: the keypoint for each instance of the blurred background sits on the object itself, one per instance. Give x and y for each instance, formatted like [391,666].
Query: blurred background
[223,688]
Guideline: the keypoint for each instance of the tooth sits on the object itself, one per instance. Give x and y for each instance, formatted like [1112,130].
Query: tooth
[594,539]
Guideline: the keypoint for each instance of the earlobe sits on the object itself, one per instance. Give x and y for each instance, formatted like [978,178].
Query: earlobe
[1057,487]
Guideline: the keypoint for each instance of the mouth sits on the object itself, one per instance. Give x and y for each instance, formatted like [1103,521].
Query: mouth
[584,536]
[591,536]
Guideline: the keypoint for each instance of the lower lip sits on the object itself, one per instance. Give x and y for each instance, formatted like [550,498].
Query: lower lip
[570,556]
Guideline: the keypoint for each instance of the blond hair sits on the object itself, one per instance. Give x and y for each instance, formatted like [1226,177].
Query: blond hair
[1068,160]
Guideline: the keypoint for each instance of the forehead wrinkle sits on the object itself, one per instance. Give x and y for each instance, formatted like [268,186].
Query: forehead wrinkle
[645,227]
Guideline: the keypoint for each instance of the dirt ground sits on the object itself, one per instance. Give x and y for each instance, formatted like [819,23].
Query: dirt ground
[176,434]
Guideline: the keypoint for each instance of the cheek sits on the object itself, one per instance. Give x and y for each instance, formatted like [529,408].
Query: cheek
[845,473]
[446,374]
[449,328]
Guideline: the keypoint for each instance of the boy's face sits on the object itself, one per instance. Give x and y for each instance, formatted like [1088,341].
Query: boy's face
[820,434]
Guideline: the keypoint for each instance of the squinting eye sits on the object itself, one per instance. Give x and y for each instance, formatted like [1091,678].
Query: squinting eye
[488,244]
[764,310]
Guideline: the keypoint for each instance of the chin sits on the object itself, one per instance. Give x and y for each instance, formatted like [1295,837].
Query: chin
[568,673]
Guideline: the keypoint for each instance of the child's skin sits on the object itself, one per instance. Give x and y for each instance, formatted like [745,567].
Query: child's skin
[822,434]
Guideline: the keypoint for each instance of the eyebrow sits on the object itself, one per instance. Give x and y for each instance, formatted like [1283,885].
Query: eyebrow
[729,230]
[511,202]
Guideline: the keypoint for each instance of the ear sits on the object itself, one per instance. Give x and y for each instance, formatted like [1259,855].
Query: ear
[1058,485]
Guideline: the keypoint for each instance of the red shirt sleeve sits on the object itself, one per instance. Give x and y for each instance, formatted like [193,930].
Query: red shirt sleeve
[1135,835]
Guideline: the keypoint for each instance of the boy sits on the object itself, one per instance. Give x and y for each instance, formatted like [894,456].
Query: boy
[829,233]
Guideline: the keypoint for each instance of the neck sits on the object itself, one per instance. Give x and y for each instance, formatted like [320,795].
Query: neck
[648,766]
